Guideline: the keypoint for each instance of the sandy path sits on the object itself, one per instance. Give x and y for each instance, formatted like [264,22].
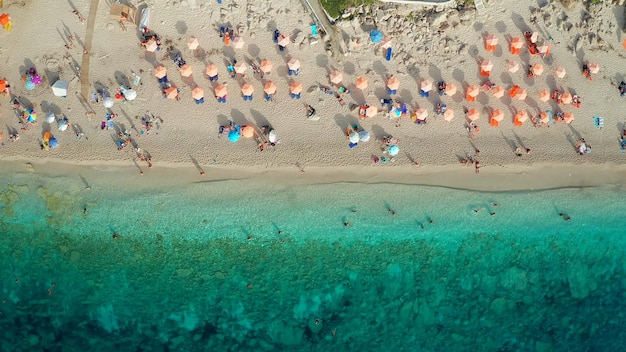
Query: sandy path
[91,21]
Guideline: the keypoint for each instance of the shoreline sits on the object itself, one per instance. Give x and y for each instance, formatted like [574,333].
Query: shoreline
[503,178]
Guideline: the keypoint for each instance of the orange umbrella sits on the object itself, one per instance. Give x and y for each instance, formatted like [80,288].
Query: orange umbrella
[490,42]
[594,68]
[295,88]
[393,83]
[240,67]
[624,43]
[151,45]
[293,64]
[4,19]
[283,41]
[498,92]
[371,111]
[421,113]
[513,66]
[426,86]
[521,93]
[521,116]
[486,65]
[560,72]
[266,66]
[247,89]
[247,131]
[3,85]
[193,43]
[472,92]
[336,77]
[544,95]
[568,117]
[473,114]
[171,92]
[450,89]
[186,71]
[197,93]
[211,70]
[361,83]
[238,43]
[566,98]
[537,69]
[221,91]
[544,117]
[448,115]
[160,72]
[269,87]
[497,115]
[516,45]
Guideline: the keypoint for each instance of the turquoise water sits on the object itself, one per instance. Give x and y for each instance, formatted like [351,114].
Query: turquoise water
[202,267]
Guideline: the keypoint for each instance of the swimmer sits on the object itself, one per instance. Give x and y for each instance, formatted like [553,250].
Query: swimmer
[431,221]
[493,213]
[347,224]
[421,226]
[115,236]
[393,213]
[280,232]
[85,210]
[477,210]
[567,218]
[561,214]
[495,204]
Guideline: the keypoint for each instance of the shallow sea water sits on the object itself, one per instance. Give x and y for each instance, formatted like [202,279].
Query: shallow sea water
[204,268]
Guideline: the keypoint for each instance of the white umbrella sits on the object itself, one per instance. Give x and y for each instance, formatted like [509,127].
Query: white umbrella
[108,102]
[62,124]
[59,88]
[272,137]
[130,94]
[50,117]
[364,136]
[354,137]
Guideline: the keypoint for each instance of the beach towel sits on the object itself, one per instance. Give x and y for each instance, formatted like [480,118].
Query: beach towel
[598,121]
[388,57]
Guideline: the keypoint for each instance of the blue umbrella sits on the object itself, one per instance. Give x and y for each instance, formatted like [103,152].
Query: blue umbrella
[376,36]
[29,85]
[233,136]
[53,143]
[393,150]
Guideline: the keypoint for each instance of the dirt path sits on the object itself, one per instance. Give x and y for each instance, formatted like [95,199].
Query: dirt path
[84,68]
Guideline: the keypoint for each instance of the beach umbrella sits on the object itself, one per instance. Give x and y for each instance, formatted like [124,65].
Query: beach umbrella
[266,66]
[426,86]
[294,64]
[31,115]
[544,95]
[247,89]
[497,115]
[50,117]
[513,66]
[393,150]
[594,68]
[566,98]
[371,111]
[240,67]
[295,87]
[269,87]
[283,41]
[233,136]
[421,114]
[521,116]
[62,125]
[53,142]
[130,94]
[238,43]
[211,70]
[486,65]
[385,44]
[364,136]
[221,91]
[450,89]
[498,91]
[3,85]
[376,36]
[560,72]
[29,84]
[59,88]
[537,69]
[521,93]
[247,131]
[516,45]
[533,37]
[568,117]
[490,42]
[336,77]
[186,70]
[151,45]
[193,43]
[448,115]
[361,83]
[36,79]
[171,92]
[624,43]
[272,136]
[544,117]
[473,114]
[393,83]
[4,19]
[160,72]
[353,137]
[543,49]
[197,93]
[108,102]
[472,91]
[46,136]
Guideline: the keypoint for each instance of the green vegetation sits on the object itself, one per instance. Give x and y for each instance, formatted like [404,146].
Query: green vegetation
[335,7]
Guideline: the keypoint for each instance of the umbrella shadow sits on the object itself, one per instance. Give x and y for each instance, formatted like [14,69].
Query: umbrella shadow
[321,60]
[533,104]
[551,82]
[510,142]
[506,78]
[189,81]
[379,132]
[27,65]
[345,121]
[47,107]
[519,140]
[435,74]
[228,51]
[459,76]
[358,96]
[500,26]
[238,117]
[51,76]
[574,131]
[222,120]
[200,54]
[570,139]
[406,95]
[349,68]
[78,130]
[45,127]
[254,51]
[379,68]
[259,118]
[181,27]
[121,79]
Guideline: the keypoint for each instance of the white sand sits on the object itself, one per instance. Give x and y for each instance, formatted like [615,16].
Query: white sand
[189,131]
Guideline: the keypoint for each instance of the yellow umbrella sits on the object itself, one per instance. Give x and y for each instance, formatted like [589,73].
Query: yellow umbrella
[336,77]
[269,87]
[521,93]
[221,91]
[186,70]
[544,95]
[247,131]
[521,116]
[566,98]
[544,117]
[361,83]
[211,70]
[393,83]
[283,41]
[295,87]
[193,43]
[537,69]
[293,64]
[247,89]
[151,45]
[171,92]
[450,89]
[448,115]
[594,68]
[238,43]
[266,66]
[421,113]
[160,72]
[197,93]
[486,65]
[426,85]
[498,92]
[568,117]
[371,111]
[513,66]
[473,114]
[560,72]
[240,67]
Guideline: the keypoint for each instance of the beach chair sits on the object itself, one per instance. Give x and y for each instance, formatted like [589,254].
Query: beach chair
[517,122]
[200,101]
[484,73]
[388,56]
[513,91]
[424,94]
[469,98]
[623,145]
[598,121]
